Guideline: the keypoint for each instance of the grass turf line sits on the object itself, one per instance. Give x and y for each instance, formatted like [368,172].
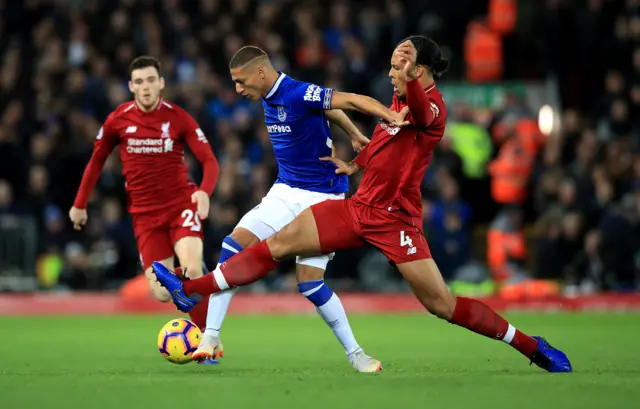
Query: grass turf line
[278,361]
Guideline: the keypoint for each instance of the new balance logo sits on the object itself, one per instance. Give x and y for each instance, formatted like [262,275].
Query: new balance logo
[131,129]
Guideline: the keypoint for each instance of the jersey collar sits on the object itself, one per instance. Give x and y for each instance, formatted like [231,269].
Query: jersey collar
[275,87]
[430,87]
[157,108]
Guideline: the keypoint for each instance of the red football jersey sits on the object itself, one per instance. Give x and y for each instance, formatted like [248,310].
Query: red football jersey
[396,159]
[151,146]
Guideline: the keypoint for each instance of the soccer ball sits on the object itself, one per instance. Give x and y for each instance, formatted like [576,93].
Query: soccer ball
[178,340]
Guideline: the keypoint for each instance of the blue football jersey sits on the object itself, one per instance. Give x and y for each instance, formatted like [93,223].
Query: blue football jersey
[299,131]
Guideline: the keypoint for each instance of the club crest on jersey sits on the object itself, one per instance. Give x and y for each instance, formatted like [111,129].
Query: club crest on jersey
[282,114]
[165,129]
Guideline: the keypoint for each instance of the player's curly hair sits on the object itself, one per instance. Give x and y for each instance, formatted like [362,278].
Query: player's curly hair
[429,54]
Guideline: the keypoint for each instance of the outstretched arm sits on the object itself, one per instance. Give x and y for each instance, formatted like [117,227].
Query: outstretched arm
[318,97]
[367,105]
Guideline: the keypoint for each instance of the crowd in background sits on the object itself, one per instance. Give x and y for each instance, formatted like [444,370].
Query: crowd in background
[63,68]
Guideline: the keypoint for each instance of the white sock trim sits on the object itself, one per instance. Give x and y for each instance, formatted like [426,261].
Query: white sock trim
[228,247]
[354,350]
[511,332]
[313,290]
[212,332]
[220,280]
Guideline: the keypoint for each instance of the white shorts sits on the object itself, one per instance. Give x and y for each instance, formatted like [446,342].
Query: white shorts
[278,208]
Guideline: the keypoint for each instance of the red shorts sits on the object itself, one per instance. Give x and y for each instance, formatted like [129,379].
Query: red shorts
[157,232]
[345,224]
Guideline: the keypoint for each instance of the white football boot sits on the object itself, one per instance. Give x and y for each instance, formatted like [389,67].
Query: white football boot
[362,362]
[210,348]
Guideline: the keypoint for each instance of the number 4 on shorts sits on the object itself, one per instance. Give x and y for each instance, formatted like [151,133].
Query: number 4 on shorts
[405,240]
[191,220]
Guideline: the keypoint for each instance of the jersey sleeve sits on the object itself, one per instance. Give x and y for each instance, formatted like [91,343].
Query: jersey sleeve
[422,111]
[314,96]
[106,140]
[199,145]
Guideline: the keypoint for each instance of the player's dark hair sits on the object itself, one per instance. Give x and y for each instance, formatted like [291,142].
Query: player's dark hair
[145,61]
[429,54]
[246,54]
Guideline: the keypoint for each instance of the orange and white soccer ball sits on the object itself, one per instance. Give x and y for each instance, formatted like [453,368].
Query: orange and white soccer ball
[178,340]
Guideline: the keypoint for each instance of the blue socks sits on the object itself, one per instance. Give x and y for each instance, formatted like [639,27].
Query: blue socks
[230,247]
[316,291]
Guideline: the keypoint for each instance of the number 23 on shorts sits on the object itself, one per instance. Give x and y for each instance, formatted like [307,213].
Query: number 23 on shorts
[191,220]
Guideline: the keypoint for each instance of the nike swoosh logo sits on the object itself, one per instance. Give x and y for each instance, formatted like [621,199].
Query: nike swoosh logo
[179,297]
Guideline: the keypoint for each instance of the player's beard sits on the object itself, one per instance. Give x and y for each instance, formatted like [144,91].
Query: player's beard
[402,98]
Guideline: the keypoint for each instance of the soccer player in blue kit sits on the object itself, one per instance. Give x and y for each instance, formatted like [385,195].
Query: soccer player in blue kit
[297,116]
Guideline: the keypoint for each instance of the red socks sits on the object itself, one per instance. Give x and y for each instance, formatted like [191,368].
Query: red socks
[203,286]
[476,316]
[249,265]
[198,314]
[244,268]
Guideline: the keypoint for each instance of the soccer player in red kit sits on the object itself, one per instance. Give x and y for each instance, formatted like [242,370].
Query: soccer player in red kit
[385,212]
[166,207]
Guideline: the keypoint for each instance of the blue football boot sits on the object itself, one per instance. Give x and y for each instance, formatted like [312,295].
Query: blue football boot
[549,358]
[174,285]
[211,361]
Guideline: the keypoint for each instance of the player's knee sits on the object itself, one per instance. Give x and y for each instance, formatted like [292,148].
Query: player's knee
[291,240]
[244,237]
[193,269]
[309,271]
[282,244]
[441,306]
[159,292]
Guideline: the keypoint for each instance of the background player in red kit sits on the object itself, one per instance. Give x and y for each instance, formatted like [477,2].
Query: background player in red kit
[385,211]
[167,208]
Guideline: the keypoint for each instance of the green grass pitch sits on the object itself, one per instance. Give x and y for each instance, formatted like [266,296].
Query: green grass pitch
[294,362]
